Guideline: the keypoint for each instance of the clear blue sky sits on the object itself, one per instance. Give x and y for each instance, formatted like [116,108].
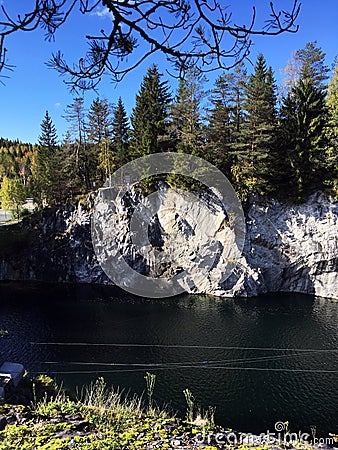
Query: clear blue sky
[32,88]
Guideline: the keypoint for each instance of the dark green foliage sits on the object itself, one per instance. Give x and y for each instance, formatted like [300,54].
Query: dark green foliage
[48,138]
[99,136]
[46,163]
[99,126]
[69,184]
[303,121]
[253,151]
[121,134]
[219,136]
[150,116]
[187,127]
[312,65]
[331,133]
[226,118]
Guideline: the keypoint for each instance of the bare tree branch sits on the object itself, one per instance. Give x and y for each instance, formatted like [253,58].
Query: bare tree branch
[182,30]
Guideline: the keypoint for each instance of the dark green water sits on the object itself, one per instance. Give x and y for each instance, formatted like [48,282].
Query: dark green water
[263,372]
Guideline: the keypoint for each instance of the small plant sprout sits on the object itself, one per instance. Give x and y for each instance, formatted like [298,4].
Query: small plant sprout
[189,398]
[150,384]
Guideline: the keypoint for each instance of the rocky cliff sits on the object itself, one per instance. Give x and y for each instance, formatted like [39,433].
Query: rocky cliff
[287,248]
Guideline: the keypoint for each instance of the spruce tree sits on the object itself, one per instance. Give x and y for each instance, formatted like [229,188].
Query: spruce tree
[187,126]
[303,119]
[149,118]
[257,136]
[312,60]
[308,62]
[48,138]
[121,134]
[45,167]
[302,122]
[68,181]
[99,127]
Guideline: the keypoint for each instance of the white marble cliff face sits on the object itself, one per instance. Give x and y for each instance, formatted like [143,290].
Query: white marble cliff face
[295,247]
[179,237]
[287,248]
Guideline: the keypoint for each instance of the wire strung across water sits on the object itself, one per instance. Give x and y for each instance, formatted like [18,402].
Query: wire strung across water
[209,364]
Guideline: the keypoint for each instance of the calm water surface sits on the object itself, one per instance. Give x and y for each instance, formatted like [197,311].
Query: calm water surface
[262,371]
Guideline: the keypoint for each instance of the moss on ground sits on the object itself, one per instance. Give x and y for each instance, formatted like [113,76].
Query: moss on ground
[102,419]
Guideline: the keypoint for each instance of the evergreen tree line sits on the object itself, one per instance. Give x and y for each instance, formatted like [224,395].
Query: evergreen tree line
[273,140]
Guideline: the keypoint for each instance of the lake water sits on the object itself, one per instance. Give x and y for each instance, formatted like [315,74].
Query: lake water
[257,360]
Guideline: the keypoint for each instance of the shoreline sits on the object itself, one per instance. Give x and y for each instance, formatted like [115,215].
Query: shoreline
[103,420]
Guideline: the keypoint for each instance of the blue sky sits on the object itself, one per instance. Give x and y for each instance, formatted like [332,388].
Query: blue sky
[32,88]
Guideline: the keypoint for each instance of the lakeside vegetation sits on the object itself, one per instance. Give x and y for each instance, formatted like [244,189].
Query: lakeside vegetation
[106,419]
[273,140]
[99,419]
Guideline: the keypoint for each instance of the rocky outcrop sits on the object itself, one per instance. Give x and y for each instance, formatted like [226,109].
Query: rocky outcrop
[295,247]
[189,240]
[59,249]
[287,247]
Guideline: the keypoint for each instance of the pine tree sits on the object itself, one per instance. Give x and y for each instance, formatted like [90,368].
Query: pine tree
[99,133]
[226,117]
[120,132]
[257,137]
[68,183]
[312,65]
[76,116]
[187,127]
[149,118]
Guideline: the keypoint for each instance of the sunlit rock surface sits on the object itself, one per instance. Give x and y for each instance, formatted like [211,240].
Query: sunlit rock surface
[295,247]
[287,247]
